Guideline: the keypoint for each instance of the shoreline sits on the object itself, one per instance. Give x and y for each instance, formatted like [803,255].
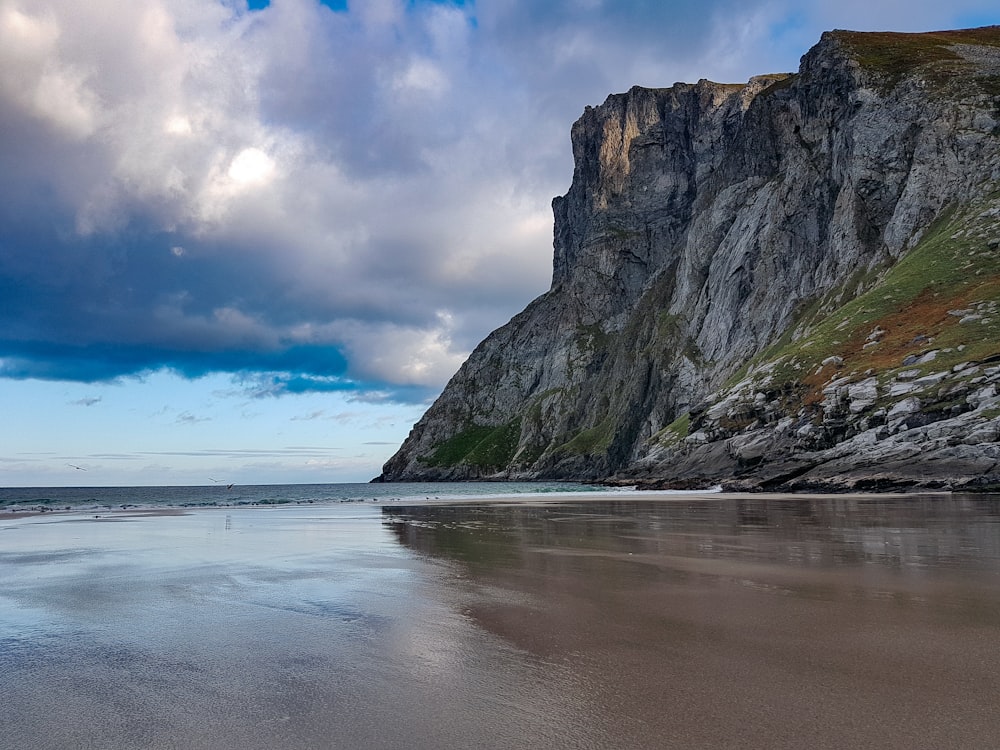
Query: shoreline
[541,498]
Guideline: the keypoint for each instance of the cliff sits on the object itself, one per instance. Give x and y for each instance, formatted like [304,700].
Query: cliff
[789,283]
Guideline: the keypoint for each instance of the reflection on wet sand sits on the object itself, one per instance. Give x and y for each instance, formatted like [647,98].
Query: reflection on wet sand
[255,629]
[755,622]
[760,622]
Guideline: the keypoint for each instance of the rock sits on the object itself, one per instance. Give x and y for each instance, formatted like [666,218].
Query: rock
[901,389]
[783,425]
[904,407]
[866,389]
[987,433]
[702,220]
[749,448]
[985,395]
[862,395]
[858,405]
[932,379]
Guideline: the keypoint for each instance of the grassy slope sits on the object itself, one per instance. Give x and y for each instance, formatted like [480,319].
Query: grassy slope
[893,55]
[916,305]
[488,449]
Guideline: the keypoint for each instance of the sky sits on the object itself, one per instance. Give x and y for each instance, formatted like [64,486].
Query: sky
[251,242]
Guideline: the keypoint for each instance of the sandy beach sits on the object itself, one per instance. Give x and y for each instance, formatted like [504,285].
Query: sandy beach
[653,621]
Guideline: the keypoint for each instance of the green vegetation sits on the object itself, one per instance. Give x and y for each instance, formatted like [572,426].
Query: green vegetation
[675,432]
[592,338]
[780,84]
[530,455]
[534,411]
[477,445]
[497,449]
[955,267]
[591,441]
[893,55]
[990,413]
[667,325]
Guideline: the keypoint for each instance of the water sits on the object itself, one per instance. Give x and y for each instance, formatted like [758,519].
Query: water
[555,622]
[221,495]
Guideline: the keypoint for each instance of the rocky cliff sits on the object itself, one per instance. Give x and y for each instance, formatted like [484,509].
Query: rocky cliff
[786,284]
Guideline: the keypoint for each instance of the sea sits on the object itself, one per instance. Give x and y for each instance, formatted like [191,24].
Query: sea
[43,499]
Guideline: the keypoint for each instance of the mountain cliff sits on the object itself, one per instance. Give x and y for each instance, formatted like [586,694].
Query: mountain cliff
[790,283]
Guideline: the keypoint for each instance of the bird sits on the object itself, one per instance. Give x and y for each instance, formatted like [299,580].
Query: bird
[78,468]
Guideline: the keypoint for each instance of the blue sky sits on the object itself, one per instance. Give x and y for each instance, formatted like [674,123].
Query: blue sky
[252,242]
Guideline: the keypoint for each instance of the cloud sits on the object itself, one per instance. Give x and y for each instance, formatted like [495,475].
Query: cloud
[320,197]
[88,401]
[187,417]
[317,414]
[292,451]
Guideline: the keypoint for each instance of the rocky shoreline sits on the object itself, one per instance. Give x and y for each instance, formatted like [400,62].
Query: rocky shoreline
[912,431]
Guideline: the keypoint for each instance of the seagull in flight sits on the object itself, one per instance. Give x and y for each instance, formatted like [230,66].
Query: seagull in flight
[78,468]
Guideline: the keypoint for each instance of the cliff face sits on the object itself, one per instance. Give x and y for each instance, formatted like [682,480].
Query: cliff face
[724,260]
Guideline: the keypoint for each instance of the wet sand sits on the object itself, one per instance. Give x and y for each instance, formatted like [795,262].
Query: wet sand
[651,621]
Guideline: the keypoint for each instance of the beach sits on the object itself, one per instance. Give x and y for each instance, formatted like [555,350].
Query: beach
[652,620]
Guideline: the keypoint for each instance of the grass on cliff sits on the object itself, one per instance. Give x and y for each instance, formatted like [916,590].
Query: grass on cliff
[893,55]
[675,432]
[782,83]
[914,308]
[486,448]
[590,441]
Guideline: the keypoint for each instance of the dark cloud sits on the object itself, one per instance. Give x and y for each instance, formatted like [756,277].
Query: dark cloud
[319,197]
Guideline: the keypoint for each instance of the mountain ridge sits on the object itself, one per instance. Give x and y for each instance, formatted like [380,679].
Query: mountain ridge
[710,232]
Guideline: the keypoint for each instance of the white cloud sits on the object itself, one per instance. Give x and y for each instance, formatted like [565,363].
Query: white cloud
[251,166]
[35,76]
[376,181]
[421,76]
[177,125]
[403,355]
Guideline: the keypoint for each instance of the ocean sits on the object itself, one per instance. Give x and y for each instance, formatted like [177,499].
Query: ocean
[222,495]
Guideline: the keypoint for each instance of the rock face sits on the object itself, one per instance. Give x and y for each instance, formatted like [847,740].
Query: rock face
[790,283]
